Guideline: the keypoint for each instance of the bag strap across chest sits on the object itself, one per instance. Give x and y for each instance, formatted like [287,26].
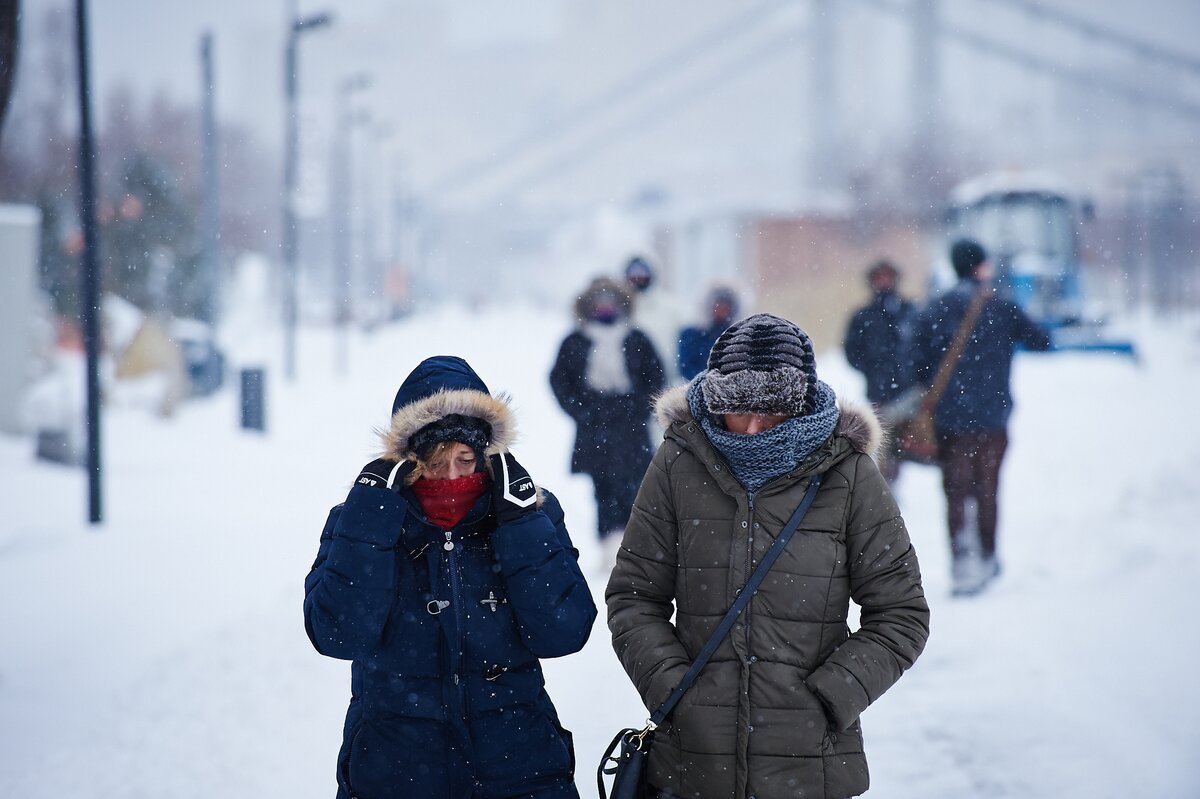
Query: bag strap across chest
[744,595]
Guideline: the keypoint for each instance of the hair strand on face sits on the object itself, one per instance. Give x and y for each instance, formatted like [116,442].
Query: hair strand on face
[436,458]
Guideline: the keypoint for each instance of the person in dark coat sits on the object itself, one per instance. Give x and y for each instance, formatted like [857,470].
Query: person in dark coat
[695,342]
[444,577]
[605,377]
[775,713]
[876,344]
[971,419]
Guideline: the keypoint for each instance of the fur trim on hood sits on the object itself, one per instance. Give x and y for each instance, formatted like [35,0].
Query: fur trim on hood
[495,410]
[858,423]
[585,301]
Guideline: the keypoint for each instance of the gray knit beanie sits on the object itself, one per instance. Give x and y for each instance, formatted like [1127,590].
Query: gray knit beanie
[762,364]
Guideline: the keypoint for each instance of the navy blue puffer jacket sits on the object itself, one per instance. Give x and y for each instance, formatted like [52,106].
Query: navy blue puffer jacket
[979,396]
[445,629]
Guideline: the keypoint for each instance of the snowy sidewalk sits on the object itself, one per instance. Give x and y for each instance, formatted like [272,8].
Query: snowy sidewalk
[164,654]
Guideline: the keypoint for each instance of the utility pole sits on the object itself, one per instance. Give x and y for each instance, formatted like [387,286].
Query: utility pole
[824,162]
[91,264]
[296,26]
[210,232]
[926,100]
[342,213]
[10,48]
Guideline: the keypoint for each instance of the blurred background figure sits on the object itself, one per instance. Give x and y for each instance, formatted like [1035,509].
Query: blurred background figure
[971,418]
[605,377]
[721,307]
[876,344]
[654,311]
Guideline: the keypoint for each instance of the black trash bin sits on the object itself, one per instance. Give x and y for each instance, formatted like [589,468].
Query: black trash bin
[254,399]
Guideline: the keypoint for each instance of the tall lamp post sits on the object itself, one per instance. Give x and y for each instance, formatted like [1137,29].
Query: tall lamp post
[341,210]
[91,262]
[297,25]
[210,224]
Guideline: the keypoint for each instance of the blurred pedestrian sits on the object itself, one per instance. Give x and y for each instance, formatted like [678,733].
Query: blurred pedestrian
[445,576]
[721,308]
[971,417]
[876,344]
[653,311]
[605,377]
[775,712]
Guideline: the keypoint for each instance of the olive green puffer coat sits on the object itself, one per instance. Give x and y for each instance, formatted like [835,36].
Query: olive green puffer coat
[775,712]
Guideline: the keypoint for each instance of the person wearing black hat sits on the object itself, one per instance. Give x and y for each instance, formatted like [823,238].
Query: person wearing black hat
[876,344]
[971,417]
[605,377]
[444,577]
[721,307]
[775,712]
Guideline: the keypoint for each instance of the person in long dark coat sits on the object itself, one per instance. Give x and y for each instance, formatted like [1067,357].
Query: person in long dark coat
[605,377]
[445,576]
[876,338]
[876,344]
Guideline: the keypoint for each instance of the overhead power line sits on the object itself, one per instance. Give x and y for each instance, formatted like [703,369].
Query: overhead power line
[1139,47]
[622,91]
[644,79]
[694,90]
[1055,69]
[1082,77]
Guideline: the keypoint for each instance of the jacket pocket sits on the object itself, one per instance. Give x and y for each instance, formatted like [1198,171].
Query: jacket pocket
[399,756]
[343,763]
[520,750]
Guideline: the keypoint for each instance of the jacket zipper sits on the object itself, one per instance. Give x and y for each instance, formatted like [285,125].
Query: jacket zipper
[749,560]
[456,596]
[457,603]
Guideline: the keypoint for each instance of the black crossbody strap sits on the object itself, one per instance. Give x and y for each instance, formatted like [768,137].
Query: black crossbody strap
[743,599]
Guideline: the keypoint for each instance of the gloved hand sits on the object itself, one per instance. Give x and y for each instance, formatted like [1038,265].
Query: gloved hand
[376,473]
[513,491]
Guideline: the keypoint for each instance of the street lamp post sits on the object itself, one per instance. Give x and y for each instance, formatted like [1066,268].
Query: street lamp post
[296,26]
[341,211]
[90,266]
[210,224]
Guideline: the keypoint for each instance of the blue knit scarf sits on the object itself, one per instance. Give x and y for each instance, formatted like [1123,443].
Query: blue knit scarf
[756,459]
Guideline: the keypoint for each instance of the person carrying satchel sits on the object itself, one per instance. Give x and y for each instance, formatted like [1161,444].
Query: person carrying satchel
[970,418]
[775,711]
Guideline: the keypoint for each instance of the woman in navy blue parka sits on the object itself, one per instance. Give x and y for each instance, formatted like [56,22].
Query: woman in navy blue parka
[444,577]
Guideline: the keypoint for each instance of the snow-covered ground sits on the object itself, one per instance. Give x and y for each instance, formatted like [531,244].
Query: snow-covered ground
[163,653]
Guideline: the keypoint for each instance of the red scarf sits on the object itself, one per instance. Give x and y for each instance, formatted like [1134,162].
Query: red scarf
[446,502]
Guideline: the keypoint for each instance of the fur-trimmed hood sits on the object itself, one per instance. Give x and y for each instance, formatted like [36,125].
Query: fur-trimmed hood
[408,419]
[440,386]
[585,302]
[858,423]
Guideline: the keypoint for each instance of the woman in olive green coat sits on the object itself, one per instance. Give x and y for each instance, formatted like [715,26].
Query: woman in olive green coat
[775,712]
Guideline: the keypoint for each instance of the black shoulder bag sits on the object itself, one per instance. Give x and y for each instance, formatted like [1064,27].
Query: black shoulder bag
[628,766]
